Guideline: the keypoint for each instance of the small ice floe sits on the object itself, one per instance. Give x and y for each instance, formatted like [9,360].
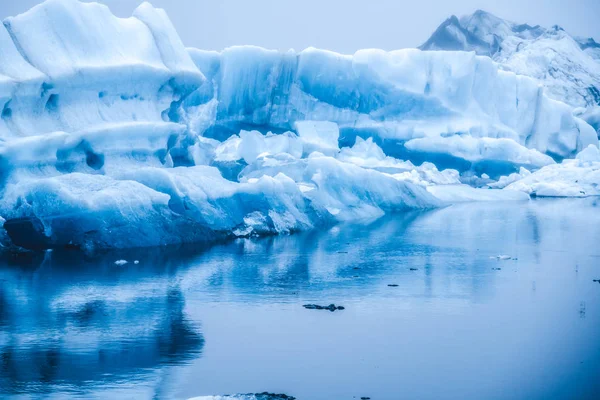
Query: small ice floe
[136,262]
[121,262]
[501,257]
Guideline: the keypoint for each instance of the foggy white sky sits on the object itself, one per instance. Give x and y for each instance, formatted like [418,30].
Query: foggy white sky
[340,25]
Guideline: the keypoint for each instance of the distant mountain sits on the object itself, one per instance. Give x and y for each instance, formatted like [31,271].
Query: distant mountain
[590,46]
[569,67]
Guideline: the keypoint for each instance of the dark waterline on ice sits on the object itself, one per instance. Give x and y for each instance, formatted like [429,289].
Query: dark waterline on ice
[429,312]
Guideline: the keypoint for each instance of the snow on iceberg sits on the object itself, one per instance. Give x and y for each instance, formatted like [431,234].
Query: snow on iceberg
[571,178]
[113,135]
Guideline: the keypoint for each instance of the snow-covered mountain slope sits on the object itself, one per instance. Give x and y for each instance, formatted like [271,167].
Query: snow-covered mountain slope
[568,67]
[590,46]
[112,134]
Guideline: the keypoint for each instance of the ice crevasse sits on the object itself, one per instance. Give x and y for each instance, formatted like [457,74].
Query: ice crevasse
[113,134]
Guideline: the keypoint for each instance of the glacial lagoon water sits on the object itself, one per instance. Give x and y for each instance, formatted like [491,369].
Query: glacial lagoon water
[461,324]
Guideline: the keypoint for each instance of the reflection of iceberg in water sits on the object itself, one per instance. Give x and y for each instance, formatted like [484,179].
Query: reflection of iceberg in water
[51,334]
[69,320]
[442,244]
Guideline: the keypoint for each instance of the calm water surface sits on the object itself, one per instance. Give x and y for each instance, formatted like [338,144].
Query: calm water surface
[229,319]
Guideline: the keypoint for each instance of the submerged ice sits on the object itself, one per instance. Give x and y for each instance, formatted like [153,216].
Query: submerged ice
[112,134]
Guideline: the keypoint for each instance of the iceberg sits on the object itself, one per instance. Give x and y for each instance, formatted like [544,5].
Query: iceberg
[160,206]
[392,96]
[114,135]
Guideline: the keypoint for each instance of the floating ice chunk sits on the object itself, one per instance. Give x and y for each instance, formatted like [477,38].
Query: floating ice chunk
[464,193]
[229,149]
[319,136]
[363,150]
[424,175]
[571,178]
[589,155]
[481,150]
[347,191]
[249,145]
[121,262]
[504,181]
[429,173]
[367,154]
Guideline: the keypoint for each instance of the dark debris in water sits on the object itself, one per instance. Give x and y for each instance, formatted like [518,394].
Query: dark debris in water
[597,280]
[393,285]
[331,307]
[273,396]
[263,396]
[414,269]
